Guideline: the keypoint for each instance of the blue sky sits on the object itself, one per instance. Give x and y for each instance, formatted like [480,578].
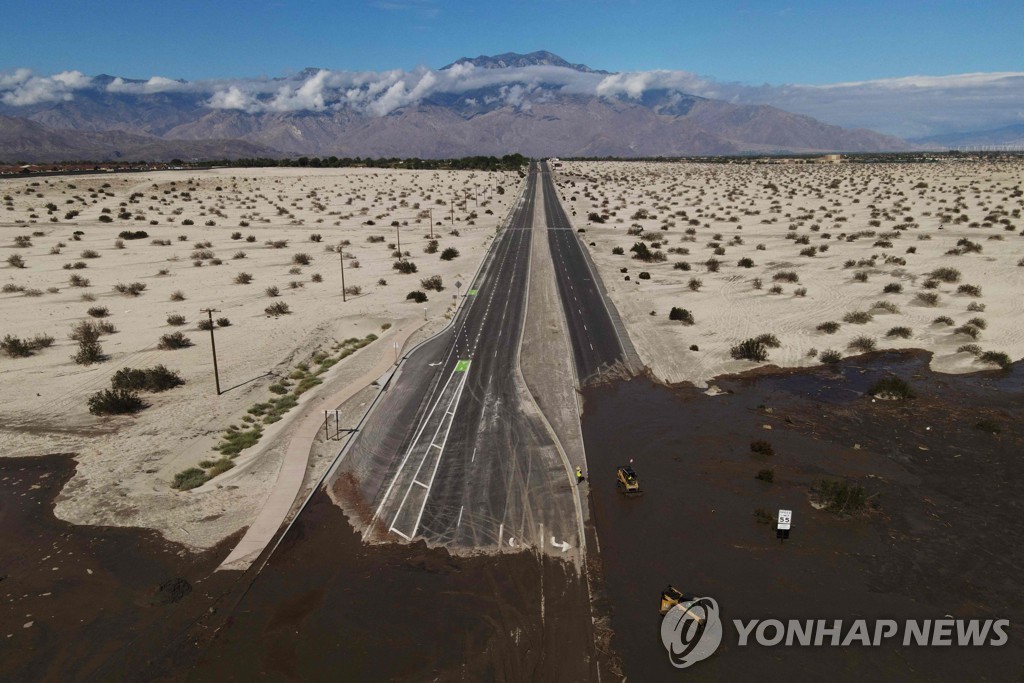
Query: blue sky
[750,42]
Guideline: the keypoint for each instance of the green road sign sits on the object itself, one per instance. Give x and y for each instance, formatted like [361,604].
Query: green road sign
[462,366]
[472,292]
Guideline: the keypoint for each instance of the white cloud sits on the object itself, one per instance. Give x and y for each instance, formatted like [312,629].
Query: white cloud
[908,106]
[23,88]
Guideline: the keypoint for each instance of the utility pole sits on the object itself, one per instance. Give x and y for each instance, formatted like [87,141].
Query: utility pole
[476,195]
[453,209]
[341,258]
[398,237]
[431,210]
[213,346]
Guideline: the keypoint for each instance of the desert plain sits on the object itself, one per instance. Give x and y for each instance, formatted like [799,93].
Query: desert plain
[826,260]
[238,241]
[818,261]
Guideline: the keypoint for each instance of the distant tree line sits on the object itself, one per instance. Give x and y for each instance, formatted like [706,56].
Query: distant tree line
[509,162]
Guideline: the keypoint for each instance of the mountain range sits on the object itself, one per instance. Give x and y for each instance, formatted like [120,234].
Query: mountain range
[537,104]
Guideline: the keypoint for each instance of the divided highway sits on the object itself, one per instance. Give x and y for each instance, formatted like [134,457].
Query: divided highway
[457,452]
[596,340]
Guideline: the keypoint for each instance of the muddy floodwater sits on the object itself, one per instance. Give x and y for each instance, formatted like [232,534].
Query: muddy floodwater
[941,533]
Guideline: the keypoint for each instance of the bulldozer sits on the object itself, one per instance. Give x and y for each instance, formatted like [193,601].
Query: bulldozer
[672,596]
[627,481]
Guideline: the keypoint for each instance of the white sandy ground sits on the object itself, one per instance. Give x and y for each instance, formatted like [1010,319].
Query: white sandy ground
[126,464]
[822,203]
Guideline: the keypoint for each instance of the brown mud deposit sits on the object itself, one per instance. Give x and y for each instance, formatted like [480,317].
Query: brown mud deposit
[944,538]
[81,602]
[328,607]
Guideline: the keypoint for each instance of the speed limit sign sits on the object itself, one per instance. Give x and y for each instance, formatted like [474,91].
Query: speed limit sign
[785,519]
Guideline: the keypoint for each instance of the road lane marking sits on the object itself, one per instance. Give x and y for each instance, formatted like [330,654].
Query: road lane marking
[459,522]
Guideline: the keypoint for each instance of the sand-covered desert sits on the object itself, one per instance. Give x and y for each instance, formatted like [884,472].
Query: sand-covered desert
[824,260]
[238,241]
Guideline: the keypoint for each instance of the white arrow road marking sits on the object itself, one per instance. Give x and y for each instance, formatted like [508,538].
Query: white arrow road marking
[563,545]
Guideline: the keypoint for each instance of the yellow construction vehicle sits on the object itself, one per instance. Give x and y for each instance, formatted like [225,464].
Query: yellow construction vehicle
[627,481]
[672,596]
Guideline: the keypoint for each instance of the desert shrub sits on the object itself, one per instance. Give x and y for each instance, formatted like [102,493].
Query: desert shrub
[830,356]
[448,254]
[750,349]
[901,332]
[988,425]
[131,289]
[929,299]
[841,497]
[761,447]
[947,275]
[205,324]
[78,281]
[223,322]
[243,278]
[98,311]
[892,288]
[133,234]
[115,402]
[316,277]
[189,479]
[431,248]
[90,253]
[996,358]
[943,320]
[15,261]
[302,259]
[756,283]
[316,237]
[188,221]
[767,476]
[682,315]
[432,283]
[978,322]
[618,251]
[857,317]
[969,290]
[786,276]
[177,295]
[861,276]
[276,244]
[272,291]
[681,265]
[277,308]
[104,218]
[86,330]
[643,275]
[976,307]
[712,264]
[353,290]
[695,284]
[89,352]
[829,327]
[800,291]
[15,347]
[769,340]
[417,296]
[236,235]
[175,320]
[862,343]
[250,238]
[405,267]
[155,379]
[972,349]
[887,306]
[172,341]
[891,387]
[969,330]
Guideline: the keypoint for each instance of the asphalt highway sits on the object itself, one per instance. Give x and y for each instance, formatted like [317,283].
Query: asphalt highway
[596,341]
[457,453]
